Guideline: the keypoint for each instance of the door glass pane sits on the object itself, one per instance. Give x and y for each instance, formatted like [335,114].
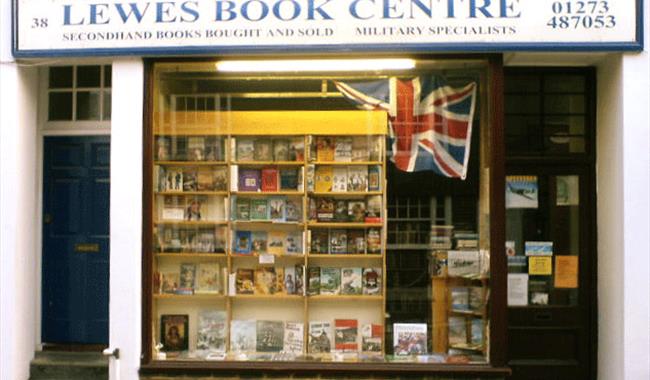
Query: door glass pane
[88,105]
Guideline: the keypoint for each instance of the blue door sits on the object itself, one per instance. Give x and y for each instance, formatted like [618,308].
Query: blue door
[75,239]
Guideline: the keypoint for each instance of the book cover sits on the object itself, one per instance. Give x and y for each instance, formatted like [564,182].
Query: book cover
[174,178]
[293,243]
[325,209]
[323,179]
[281,150]
[193,209]
[297,149]
[476,337]
[270,336]
[409,339]
[343,149]
[457,331]
[242,209]
[375,148]
[208,276]
[211,331]
[214,150]
[249,180]
[289,179]
[277,212]
[189,180]
[279,280]
[371,281]
[187,279]
[173,208]
[351,283]
[356,241]
[346,335]
[265,280]
[259,209]
[263,149]
[179,149]
[299,279]
[319,241]
[311,177]
[338,241]
[339,179]
[357,178]
[259,241]
[174,332]
[293,210]
[459,299]
[374,178]
[243,242]
[330,281]
[293,338]
[373,209]
[476,298]
[245,149]
[244,282]
[341,210]
[196,148]
[269,179]
[163,148]
[324,149]
[373,240]
[169,282]
[276,241]
[357,211]
[360,150]
[372,336]
[159,178]
[289,280]
[243,335]
[463,263]
[220,179]
[320,337]
[204,180]
[313,281]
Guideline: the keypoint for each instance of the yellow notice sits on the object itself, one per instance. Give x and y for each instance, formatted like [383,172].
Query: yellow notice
[540,265]
[566,271]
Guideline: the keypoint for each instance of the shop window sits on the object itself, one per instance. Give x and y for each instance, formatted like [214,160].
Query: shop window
[79,93]
[280,226]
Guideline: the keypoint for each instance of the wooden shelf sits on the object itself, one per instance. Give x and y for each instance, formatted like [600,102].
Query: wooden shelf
[467,312]
[265,223]
[269,163]
[191,193]
[191,163]
[267,193]
[190,255]
[268,296]
[348,163]
[344,256]
[191,222]
[251,255]
[189,296]
[344,193]
[345,297]
[344,225]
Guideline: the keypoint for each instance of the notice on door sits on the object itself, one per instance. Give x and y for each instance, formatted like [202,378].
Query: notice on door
[566,272]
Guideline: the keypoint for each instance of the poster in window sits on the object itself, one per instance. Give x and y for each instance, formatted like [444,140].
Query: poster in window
[567,190]
[522,192]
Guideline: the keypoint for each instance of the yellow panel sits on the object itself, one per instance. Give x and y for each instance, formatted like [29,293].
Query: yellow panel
[272,123]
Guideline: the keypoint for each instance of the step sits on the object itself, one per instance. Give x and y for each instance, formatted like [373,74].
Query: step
[53,365]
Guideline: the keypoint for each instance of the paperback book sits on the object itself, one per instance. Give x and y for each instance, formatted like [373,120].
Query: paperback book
[293,338]
[346,335]
[211,332]
[243,335]
[340,210]
[372,281]
[276,241]
[339,179]
[245,150]
[372,338]
[169,282]
[190,182]
[277,207]
[343,149]
[356,241]
[351,283]
[457,331]
[187,279]
[373,209]
[293,210]
[269,179]
[208,278]
[270,336]
[174,332]
[373,240]
[324,178]
[313,281]
[265,280]
[259,242]
[319,241]
[296,149]
[410,339]
[293,243]
[289,179]
[360,152]
[263,150]
[325,209]
[357,178]
[259,209]
[243,242]
[338,241]
[281,150]
[330,281]
[324,148]
[357,211]
[196,148]
[249,180]
[289,280]
[244,283]
[242,209]
[320,337]
[374,178]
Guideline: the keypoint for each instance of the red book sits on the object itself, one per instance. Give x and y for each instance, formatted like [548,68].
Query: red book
[345,337]
[270,179]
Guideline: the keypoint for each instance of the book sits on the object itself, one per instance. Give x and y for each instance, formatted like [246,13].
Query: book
[409,339]
[325,209]
[277,211]
[174,332]
[457,334]
[174,179]
[338,241]
[244,281]
[293,210]
[279,280]
[319,241]
[324,149]
[242,209]
[357,211]
[330,281]
[187,280]
[289,280]
[339,179]
[374,178]
[263,149]
[249,180]
[270,336]
[357,178]
[373,209]
[281,150]
[346,335]
[259,209]
[463,263]
[179,149]
[173,208]
[375,148]
[211,332]
[320,337]
[258,242]
[269,179]
[169,282]
[265,280]
[243,335]
[340,210]
[360,150]
[243,242]
[313,281]
[276,240]
[299,279]
[476,298]
[297,149]
[351,283]
[163,148]
[356,241]
[293,338]
[196,148]
[371,281]
[373,240]
[343,149]
[372,336]
[289,179]
[323,179]
[189,180]
[208,275]
[459,297]
[311,177]
[193,210]
[293,243]
[214,148]
[476,329]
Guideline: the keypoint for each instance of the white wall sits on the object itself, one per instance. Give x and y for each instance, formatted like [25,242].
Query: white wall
[125,302]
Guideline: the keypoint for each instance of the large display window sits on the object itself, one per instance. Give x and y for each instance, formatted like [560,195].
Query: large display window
[305,217]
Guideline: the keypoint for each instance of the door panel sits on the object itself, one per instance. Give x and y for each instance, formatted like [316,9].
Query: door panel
[75,240]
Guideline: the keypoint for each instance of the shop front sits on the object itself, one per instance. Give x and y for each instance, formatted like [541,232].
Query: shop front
[320,188]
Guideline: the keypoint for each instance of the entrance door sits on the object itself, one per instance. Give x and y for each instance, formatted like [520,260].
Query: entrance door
[75,240]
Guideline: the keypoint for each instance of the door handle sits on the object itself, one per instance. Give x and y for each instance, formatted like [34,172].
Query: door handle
[86,247]
[47,218]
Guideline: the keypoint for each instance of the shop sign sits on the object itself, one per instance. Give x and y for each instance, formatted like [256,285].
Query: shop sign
[148,27]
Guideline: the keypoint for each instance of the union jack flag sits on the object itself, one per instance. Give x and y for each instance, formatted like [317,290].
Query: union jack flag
[430,122]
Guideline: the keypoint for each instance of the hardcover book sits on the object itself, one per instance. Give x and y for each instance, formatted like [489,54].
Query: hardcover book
[293,338]
[457,331]
[193,210]
[343,149]
[243,242]
[297,149]
[463,263]
[244,283]
[313,281]
[187,279]
[373,240]
[338,241]
[339,179]
[169,282]
[173,208]
[214,149]
[357,178]
[259,209]
[196,148]
[325,209]
[276,241]
[293,210]
[270,336]
[242,209]
[289,280]
[277,212]
[211,332]
[356,241]
[293,243]
[270,179]
[320,337]
[249,180]
[371,281]
[324,177]
[330,281]
[372,336]
[373,209]
[281,150]
[174,332]
[345,335]
[263,150]
[360,152]
[299,279]
[258,242]
[289,179]
[265,280]
[357,211]
[189,180]
[243,335]
[319,241]
[341,210]
[324,149]
[351,283]
[208,278]
[410,339]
